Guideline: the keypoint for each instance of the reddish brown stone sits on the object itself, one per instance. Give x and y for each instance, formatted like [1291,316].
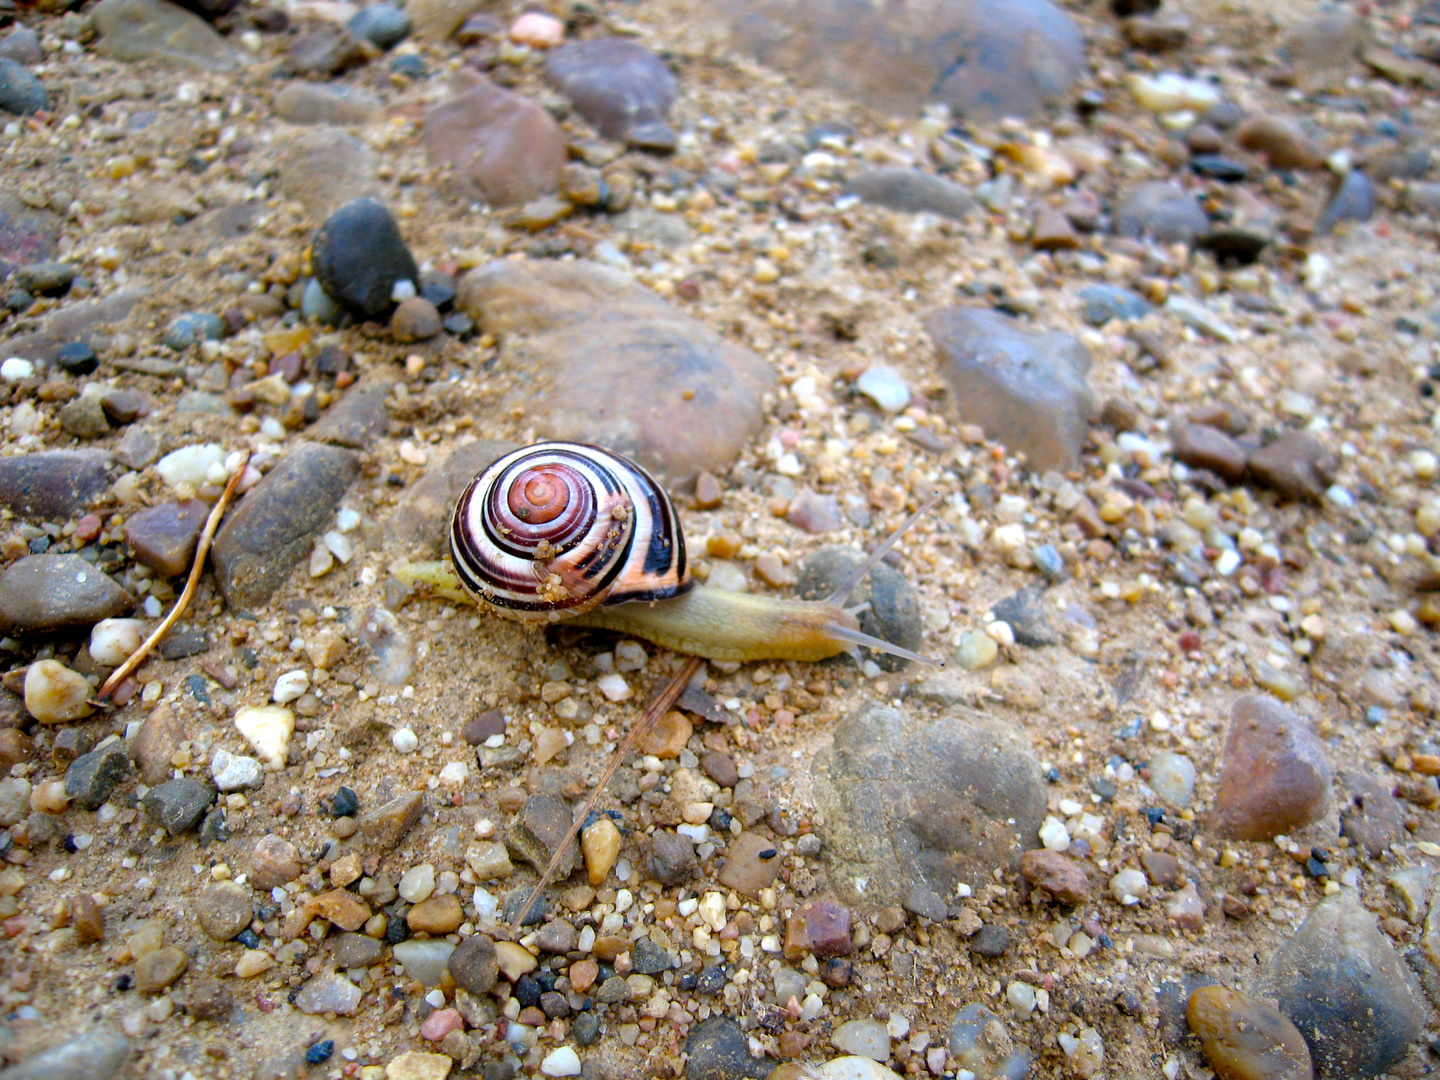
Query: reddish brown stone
[1295,466]
[164,537]
[821,928]
[1059,875]
[1203,447]
[1274,776]
[751,866]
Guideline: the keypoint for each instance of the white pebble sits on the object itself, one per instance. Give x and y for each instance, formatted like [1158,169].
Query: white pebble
[417,883]
[712,910]
[562,1061]
[1129,887]
[268,730]
[112,641]
[151,607]
[1227,562]
[1021,997]
[234,772]
[347,519]
[16,368]
[614,687]
[539,31]
[402,290]
[190,464]
[404,740]
[55,694]
[884,386]
[339,545]
[454,774]
[290,686]
[1054,835]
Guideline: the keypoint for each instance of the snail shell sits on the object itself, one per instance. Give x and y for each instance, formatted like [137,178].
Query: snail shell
[555,529]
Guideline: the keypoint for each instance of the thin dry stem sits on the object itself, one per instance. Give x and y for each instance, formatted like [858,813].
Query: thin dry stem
[656,709]
[202,549]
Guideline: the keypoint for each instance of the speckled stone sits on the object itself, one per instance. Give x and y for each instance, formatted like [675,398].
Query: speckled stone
[716,1049]
[821,928]
[473,965]
[178,805]
[1061,876]
[223,910]
[42,594]
[1274,775]
[272,529]
[274,861]
[671,860]
[536,833]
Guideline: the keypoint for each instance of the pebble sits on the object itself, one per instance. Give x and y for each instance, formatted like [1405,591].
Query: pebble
[1061,876]
[980,1043]
[1274,775]
[600,845]
[912,191]
[557,937]
[357,420]
[562,1061]
[976,649]
[21,93]
[1372,818]
[1193,313]
[97,1054]
[163,537]
[1024,611]
[191,328]
[863,1038]
[235,772]
[440,1023]
[268,729]
[1203,447]
[314,103]
[56,695]
[356,950]
[620,87]
[595,334]
[328,992]
[191,465]
[22,45]
[984,63]
[884,772]
[893,614]
[991,942]
[358,255]
[50,278]
[751,864]
[717,1049]
[502,148]
[1026,388]
[223,910]
[178,805]
[385,826]
[417,1065]
[324,48]
[157,742]
[425,961]
[383,25]
[536,833]
[537,30]
[1353,200]
[415,319]
[1282,139]
[1101,303]
[436,915]
[324,169]
[54,484]
[885,387]
[1172,777]
[820,928]
[1341,983]
[273,529]
[490,860]
[514,960]
[1162,211]
[153,29]
[160,969]
[1295,466]
[274,861]
[851,1067]
[671,859]
[473,965]
[1052,231]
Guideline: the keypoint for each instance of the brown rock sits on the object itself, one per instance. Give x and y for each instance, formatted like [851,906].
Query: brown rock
[821,928]
[473,965]
[155,971]
[436,915]
[385,826]
[156,742]
[1202,447]
[163,537]
[15,747]
[1296,466]
[1246,1039]
[41,594]
[751,865]
[1058,874]
[536,833]
[274,861]
[1162,868]
[671,860]
[667,736]
[343,909]
[620,86]
[87,918]
[223,910]
[1274,775]
[720,767]
[415,319]
[708,492]
[1052,231]
[1282,140]
[357,419]
[54,484]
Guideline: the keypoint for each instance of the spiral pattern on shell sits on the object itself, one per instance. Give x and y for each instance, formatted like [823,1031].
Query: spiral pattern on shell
[557,528]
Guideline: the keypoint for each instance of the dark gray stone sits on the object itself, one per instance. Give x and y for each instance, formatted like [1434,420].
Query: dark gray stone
[359,255]
[270,532]
[1162,211]
[1353,200]
[92,777]
[1025,611]
[893,613]
[672,858]
[20,91]
[54,484]
[1101,303]
[717,1049]
[41,594]
[178,805]
[647,958]
[383,25]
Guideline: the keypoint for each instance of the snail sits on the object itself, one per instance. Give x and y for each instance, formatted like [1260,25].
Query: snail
[563,530]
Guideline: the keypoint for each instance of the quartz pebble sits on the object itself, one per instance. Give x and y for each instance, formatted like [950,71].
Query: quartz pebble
[600,845]
[328,992]
[863,1038]
[54,694]
[562,1061]
[268,729]
[235,772]
[425,961]
[884,386]
[1172,776]
[112,641]
[97,1054]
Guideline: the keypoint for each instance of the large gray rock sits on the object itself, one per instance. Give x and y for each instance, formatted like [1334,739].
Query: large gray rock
[921,807]
[598,359]
[93,1055]
[158,30]
[42,594]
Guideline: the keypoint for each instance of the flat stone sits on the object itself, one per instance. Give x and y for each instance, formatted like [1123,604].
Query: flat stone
[420,522]
[892,610]
[535,834]
[84,417]
[178,805]
[71,324]
[416,1064]
[325,169]
[985,61]
[1026,388]
[1061,876]
[22,45]
[223,910]
[1274,775]
[581,336]
[92,777]
[751,864]
[1101,303]
[1342,984]
[157,30]
[912,191]
[340,908]
[935,804]
[323,48]
[1203,447]
[1295,466]
[502,148]
[1243,1037]
[356,950]
[820,928]
[97,1054]
[329,992]
[315,103]
[1352,200]
[161,969]
[716,1049]
[163,537]
[620,86]
[385,826]
[357,419]
[272,529]
[54,484]
[426,960]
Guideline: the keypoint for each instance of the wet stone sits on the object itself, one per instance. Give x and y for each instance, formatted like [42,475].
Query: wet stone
[1162,211]
[1061,876]
[1101,303]
[1243,1037]
[46,593]
[984,61]
[178,805]
[1025,612]
[1372,818]
[912,191]
[893,612]
[716,1049]
[271,530]
[1353,200]
[1202,447]
[1026,388]
[21,93]
[383,25]
[503,149]
[358,256]
[223,910]
[619,86]
[164,537]
[1274,775]
[584,335]
[671,860]
[1295,466]
[54,484]
[1340,981]
[908,802]
[536,833]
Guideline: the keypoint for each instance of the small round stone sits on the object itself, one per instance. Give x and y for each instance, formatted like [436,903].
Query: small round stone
[223,910]
[77,358]
[473,965]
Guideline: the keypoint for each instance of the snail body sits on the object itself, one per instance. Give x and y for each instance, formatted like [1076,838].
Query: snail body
[570,531]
